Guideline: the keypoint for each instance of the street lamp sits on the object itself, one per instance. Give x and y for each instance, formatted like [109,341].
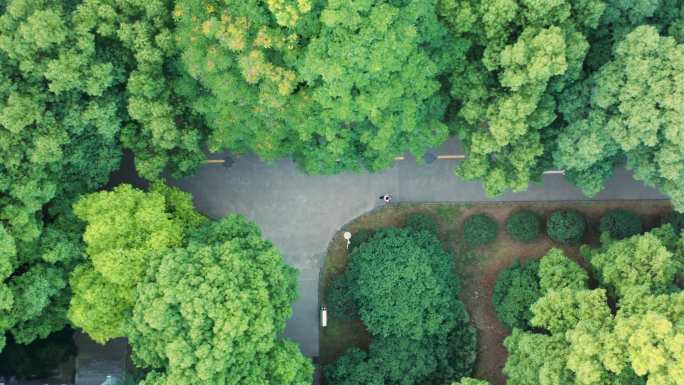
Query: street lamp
[347,236]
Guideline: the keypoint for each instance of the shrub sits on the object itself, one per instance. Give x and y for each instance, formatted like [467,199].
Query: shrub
[479,230]
[517,288]
[523,226]
[340,299]
[421,222]
[620,224]
[360,237]
[675,219]
[566,226]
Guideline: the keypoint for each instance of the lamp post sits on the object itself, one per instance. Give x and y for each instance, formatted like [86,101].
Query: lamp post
[347,235]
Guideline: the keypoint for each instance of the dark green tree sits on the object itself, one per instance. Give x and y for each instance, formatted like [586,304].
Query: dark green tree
[516,289]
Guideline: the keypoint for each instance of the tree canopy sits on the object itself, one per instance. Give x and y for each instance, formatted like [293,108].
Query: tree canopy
[402,283]
[625,332]
[213,311]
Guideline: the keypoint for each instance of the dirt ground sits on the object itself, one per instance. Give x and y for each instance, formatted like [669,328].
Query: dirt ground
[477,268]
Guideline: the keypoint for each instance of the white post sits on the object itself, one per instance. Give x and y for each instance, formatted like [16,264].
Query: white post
[324,316]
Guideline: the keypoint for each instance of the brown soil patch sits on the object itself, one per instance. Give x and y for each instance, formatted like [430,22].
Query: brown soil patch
[477,268]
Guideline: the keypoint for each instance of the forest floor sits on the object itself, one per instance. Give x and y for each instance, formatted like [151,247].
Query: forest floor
[477,268]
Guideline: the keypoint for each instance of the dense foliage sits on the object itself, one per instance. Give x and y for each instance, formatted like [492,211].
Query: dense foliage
[479,230]
[403,284]
[566,226]
[516,289]
[626,331]
[418,273]
[525,85]
[214,309]
[185,291]
[340,299]
[523,226]
[579,85]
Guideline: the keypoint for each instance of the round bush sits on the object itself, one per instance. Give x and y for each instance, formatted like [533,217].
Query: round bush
[675,219]
[479,230]
[566,226]
[517,288]
[421,222]
[523,226]
[620,224]
[340,299]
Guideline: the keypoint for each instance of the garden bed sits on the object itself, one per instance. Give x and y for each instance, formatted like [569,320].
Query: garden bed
[477,268]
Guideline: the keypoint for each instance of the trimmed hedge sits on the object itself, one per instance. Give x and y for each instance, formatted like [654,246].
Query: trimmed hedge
[479,230]
[421,222]
[566,226]
[517,288]
[621,224]
[523,226]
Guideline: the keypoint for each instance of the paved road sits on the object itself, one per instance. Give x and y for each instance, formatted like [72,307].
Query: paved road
[301,213]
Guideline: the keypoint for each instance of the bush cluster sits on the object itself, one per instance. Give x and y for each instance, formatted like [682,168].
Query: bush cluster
[517,288]
[523,226]
[479,230]
[566,226]
[620,224]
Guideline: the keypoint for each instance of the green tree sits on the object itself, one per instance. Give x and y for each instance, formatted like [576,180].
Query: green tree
[633,338]
[212,311]
[522,55]
[632,103]
[125,229]
[415,269]
[556,271]
[516,289]
[637,261]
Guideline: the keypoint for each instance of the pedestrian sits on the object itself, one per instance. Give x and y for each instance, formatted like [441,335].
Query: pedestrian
[387,198]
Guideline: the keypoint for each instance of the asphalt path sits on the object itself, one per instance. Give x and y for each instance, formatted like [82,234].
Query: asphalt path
[301,213]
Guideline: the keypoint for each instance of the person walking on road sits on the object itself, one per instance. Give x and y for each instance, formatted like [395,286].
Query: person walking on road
[387,198]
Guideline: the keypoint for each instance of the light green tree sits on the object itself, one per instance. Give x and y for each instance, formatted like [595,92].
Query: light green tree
[125,229]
